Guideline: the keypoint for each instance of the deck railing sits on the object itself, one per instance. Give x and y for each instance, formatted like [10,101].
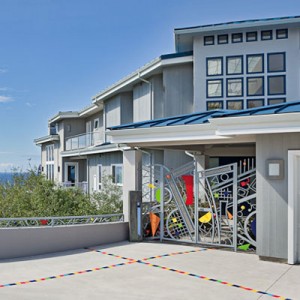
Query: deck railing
[81,185]
[59,221]
[83,140]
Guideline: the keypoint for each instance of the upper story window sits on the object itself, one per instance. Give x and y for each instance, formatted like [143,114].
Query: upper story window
[223,39]
[234,87]
[50,153]
[96,124]
[214,66]
[276,62]
[281,33]
[266,35]
[276,85]
[214,88]
[255,63]
[209,40]
[255,86]
[214,105]
[251,36]
[237,38]
[117,174]
[234,65]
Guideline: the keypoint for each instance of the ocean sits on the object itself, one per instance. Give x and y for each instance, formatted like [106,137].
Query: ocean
[6,177]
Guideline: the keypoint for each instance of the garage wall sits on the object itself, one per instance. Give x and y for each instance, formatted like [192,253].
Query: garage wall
[272,195]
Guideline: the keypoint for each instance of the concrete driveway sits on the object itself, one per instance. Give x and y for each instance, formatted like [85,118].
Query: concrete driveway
[147,271]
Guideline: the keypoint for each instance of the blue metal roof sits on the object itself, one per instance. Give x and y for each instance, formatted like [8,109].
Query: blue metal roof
[204,117]
[239,22]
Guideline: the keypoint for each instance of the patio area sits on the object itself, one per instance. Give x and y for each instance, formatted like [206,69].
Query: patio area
[147,271]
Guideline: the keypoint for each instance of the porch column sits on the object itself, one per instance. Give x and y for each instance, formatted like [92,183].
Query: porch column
[132,170]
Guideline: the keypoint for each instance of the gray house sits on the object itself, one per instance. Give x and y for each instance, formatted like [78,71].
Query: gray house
[209,134]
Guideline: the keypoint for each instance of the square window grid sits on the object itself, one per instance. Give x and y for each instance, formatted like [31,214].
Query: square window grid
[255,86]
[276,85]
[214,66]
[214,88]
[214,105]
[276,62]
[255,103]
[234,65]
[255,63]
[234,87]
[235,104]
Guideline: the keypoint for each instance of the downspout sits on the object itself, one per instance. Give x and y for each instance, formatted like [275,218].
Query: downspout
[151,98]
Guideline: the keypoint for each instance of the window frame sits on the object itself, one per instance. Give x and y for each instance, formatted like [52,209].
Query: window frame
[242,87]
[215,79]
[263,63]
[278,33]
[240,34]
[263,86]
[211,58]
[113,173]
[271,99]
[235,100]
[208,37]
[248,38]
[96,121]
[216,101]
[284,62]
[99,176]
[266,31]
[220,36]
[242,68]
[260,99]
[284,85]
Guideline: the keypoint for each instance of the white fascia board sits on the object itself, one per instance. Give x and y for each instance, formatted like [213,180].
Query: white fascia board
[61,116]
[92,151]
[179,133]
[243,25]
[262,124]
[90,110]
[141,73]
[46,139]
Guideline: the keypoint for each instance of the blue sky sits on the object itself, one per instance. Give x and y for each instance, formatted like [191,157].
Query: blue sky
[56,54]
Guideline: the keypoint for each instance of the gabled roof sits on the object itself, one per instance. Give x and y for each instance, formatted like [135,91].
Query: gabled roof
[205,117]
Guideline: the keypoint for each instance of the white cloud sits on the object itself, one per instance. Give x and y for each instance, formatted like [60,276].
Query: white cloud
[28,104]
[3,71]
[3,89]
[5,99]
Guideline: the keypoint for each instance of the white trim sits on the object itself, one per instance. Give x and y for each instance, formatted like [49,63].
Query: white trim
[46,139]
[293,218]
[95,150]
[99,175]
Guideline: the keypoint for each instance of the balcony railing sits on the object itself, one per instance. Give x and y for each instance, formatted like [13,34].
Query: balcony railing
[83,140]
[81,185]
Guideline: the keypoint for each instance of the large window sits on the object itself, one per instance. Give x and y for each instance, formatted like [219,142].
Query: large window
[276,62]
[255,63]
[99,177]
[214,66]
[50,162]
[276,85]
[255,86]
[234,65]
[117,174]
[255,103]
[214,88]
[235,87]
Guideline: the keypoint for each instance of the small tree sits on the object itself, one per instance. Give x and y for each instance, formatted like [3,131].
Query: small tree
[109,198]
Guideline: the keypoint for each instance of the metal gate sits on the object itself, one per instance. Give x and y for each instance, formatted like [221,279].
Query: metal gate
[212,207]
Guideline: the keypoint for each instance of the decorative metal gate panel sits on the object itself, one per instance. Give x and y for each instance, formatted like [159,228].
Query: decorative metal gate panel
[211,207]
